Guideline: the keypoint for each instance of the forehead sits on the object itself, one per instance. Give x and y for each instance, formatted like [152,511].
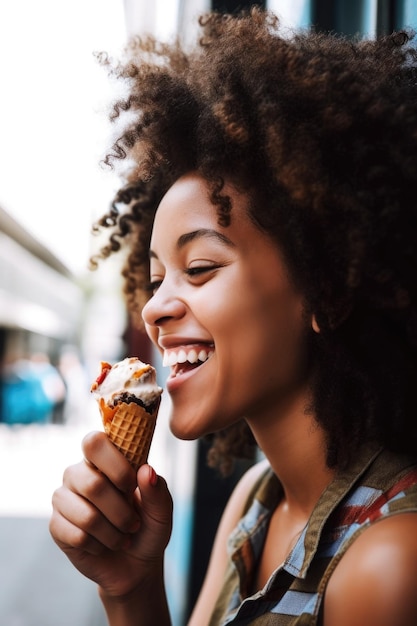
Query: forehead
[187,205]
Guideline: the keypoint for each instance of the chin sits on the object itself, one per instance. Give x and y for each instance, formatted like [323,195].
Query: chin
[189,425]
[186,430]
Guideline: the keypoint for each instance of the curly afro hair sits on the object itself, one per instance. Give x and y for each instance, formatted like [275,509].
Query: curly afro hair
[321,132]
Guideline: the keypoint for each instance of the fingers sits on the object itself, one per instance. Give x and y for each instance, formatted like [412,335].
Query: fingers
[100,452]
[155,503]
[94,507]
[70,537]
[103,505]
[153,499]
[101,500]
[154,496]
[79,523]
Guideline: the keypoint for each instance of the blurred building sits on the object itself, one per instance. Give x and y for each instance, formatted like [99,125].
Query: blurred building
[40,309]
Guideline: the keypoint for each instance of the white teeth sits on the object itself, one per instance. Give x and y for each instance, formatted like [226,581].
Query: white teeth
[182,356]
[172,357]
[192,356]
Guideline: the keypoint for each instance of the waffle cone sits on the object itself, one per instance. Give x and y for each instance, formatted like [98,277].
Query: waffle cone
[131,431]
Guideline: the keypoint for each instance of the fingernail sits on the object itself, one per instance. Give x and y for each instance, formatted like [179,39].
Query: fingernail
[153,477]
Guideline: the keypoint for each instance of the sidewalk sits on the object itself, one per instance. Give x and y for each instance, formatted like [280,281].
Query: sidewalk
[39,586]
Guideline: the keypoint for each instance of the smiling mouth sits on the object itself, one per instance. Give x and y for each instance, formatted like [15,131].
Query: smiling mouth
[186,358]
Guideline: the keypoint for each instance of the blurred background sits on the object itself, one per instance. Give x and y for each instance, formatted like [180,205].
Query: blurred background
[58,319]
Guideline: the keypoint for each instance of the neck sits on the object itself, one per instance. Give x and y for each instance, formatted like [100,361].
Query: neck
[294,444]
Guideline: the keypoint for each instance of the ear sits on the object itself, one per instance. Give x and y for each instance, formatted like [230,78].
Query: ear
[314,324]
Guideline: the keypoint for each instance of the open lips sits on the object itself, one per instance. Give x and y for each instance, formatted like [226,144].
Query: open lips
[184,358]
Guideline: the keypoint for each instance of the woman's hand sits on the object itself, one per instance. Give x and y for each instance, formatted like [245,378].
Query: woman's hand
[112,524]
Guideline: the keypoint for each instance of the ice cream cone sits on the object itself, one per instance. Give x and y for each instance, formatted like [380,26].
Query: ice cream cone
[131,431]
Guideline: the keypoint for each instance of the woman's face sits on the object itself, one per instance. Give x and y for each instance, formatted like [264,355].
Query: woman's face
[224,313]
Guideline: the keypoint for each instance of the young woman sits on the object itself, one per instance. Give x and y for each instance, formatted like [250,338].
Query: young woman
[270,219]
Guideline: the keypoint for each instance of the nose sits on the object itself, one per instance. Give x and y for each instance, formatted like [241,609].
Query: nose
[163,307]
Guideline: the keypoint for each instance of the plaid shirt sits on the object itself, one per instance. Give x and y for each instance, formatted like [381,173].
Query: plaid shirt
[378,484]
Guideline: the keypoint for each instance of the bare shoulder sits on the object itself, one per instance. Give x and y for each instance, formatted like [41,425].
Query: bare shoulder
[375,582]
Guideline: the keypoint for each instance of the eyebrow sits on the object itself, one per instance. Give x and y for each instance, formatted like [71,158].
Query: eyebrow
[207,233]
[201,233]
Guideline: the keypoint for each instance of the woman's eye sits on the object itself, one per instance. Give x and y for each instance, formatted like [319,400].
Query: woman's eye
[153,286]
[200,270]
[194,271]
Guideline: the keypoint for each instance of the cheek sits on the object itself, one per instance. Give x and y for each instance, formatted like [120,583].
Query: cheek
[152,333]
[266,334]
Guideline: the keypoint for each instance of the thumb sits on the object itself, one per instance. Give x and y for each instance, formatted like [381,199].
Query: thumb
[155,504]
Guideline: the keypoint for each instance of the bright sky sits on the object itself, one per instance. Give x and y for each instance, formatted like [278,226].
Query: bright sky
[53,126]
